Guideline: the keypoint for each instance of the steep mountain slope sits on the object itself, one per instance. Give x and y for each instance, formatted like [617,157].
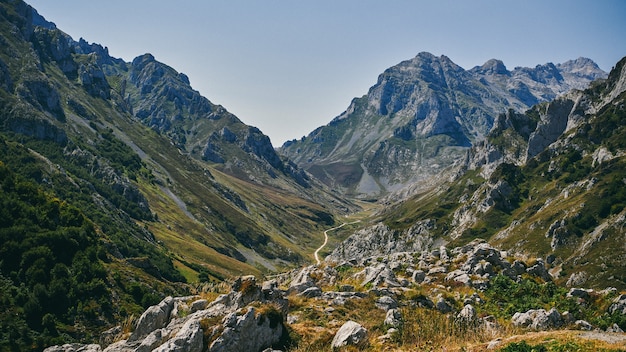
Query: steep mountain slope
[548,183]
[129,169]
[420,118]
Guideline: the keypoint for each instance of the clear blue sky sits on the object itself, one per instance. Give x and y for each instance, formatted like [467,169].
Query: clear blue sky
[289,66]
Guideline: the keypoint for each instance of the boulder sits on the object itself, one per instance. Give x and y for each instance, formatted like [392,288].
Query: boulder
[386,303]
[311,292]
[614,328]
[467,316]
[155,317]
[539,270]
[618,305]
[250,331]
[583,325]
[580,293]
[418,276]
[377,275]
[393,318]
[443,306]
[538,319]
[351,333]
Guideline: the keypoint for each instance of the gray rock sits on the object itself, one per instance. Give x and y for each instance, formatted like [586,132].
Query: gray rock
[311,292]
[467,315]
[74,347]
[155,317]
[386,303]
[248,332]
[346,288]
[583,325]
[378,275]
[539,270]
[198,305]
[351,333]
[153,340]
[580,293]
[538,319]
[418,276]
[187,339]
[614,328]
[443,306]
[619,305]
[393,318]
[109,336]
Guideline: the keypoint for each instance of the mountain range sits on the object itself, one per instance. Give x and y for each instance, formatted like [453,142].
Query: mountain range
[120,184]
[420,118]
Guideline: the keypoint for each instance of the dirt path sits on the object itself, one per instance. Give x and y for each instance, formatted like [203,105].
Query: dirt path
[316,254]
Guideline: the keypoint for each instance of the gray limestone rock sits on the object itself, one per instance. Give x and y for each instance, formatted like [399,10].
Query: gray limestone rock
[393,318]
[386,303]
[467,316]
[250,331]
[351,333]
[443,306]
[311,292]
[583,325]
[74,347]
[153,318]
[538,319]
[618,305]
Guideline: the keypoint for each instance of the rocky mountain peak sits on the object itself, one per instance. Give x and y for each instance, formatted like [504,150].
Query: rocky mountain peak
[420,115]
[492,67]
[583,67]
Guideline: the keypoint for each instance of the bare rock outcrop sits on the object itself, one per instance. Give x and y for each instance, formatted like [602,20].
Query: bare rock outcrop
[351,333]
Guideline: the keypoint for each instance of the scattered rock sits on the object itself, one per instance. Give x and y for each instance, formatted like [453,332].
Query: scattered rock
[614,328]
[418,276]
[393,318]
[251,331]
[580,293]
[467,316]
[443,306]
[386,303]
[351,333]
[619,305]
[583,325]
[74,347]
[311,292]
[538,319]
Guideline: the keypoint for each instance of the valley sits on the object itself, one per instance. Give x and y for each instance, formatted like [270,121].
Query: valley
[445,209]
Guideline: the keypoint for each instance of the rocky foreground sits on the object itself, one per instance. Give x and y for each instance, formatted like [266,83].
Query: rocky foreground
[368,303]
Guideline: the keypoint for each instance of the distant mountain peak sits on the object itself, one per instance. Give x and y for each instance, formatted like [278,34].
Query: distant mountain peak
[421,115]
[492,67]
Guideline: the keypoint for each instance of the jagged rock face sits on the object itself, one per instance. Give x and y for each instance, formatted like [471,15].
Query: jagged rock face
[380,240]
[420,117]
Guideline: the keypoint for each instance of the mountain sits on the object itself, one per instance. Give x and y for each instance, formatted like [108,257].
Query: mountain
[420,118]
[547,183]
[120,184]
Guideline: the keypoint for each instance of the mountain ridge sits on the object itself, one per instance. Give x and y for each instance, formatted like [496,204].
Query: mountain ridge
[419,118]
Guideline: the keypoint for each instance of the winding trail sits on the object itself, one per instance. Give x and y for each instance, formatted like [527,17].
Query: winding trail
[316,254]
